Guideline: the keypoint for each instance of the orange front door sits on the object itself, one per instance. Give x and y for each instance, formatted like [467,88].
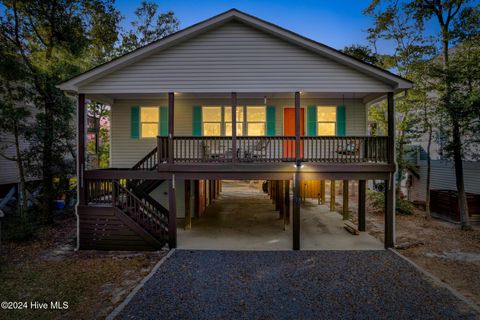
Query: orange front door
[289,130]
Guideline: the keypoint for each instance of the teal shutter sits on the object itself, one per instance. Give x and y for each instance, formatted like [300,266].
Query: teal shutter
[271,131]
[312,121]
[164,121]
[135,122]
[197,121]
[341,121]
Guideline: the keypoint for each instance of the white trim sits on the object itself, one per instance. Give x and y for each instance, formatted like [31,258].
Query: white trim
[73,84]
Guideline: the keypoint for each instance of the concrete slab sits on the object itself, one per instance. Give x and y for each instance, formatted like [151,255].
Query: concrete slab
[243,218]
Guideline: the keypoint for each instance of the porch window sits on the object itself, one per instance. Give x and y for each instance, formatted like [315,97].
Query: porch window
[149,121]
[212,121]
[326,120]
[228,121]
[256,119]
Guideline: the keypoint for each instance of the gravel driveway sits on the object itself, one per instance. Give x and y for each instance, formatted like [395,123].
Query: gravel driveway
[291,285]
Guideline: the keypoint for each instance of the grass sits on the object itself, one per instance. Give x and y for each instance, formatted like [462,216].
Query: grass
[92,283]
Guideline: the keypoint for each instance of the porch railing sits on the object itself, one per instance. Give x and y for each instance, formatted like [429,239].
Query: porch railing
[261,149]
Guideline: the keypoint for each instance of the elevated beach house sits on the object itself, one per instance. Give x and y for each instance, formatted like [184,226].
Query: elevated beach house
[233,97]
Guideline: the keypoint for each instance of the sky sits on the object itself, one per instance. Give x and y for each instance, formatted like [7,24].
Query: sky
[336,23]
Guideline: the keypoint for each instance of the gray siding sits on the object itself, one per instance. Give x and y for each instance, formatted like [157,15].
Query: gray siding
[235,57]
[443,177]
[125,151]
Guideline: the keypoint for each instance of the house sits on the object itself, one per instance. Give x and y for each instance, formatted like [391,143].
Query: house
[232,97]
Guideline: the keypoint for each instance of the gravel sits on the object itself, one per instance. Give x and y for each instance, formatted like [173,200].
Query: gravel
[291,285]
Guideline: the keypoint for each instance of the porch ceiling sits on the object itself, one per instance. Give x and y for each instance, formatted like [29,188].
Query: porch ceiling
[366,97]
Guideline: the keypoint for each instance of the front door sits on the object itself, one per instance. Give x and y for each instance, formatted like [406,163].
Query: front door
[289,130]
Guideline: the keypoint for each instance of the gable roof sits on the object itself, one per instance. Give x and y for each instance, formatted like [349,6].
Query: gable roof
[398,83]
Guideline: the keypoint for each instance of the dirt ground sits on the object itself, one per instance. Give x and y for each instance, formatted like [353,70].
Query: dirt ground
[440,247]
[47,269]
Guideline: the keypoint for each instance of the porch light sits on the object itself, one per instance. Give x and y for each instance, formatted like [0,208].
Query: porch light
[298,164]
[265,100]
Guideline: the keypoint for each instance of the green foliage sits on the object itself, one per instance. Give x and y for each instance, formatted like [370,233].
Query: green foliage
[363,53]
[377,201]
[20,227]
[150,25]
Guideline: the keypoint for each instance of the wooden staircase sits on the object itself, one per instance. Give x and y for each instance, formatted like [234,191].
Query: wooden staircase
[133,207]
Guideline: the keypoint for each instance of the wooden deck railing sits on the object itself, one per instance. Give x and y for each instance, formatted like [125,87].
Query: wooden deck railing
[353,149]
[114,193]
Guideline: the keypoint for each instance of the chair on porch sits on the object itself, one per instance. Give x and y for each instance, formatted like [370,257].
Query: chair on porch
[259,150]
[352,148]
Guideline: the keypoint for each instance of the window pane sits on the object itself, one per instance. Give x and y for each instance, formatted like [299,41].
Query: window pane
[327,114]
[228,129]
[211,114]
[326,129]
[228,114]
[211,129]
[149,114]
[149,130]
[256,114]
[256,129]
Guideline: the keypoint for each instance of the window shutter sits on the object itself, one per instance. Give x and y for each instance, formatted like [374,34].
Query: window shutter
[135,122]
[341,121]
[197,121]
[164,121]
[312,121]
[271,120]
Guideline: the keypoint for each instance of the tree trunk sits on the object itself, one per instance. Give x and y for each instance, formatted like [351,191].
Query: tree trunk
[21,174]
[47,164]
[456,138]
[429,170]
[457,158]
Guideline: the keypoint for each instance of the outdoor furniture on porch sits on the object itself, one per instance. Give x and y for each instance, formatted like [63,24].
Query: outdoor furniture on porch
[259,151]
[352,148]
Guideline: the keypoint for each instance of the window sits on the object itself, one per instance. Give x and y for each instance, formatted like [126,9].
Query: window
[228,121]
[212,121]
[256,119]
[149,120]
[326,121]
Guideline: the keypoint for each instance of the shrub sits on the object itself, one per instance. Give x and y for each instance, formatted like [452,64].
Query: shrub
[377,201]
[18,228]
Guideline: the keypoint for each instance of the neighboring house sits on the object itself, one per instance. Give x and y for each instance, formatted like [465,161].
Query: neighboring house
[232,97]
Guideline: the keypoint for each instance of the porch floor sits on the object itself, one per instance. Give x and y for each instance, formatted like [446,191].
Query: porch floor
[243,218]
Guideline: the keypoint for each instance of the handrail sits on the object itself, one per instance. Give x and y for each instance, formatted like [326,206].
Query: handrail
[142,212]
[149,162]
[264,149]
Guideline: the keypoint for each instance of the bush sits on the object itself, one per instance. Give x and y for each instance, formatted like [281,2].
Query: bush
[18,228]
[377,200]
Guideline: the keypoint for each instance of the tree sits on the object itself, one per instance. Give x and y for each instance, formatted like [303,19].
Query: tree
[410,51]
[149,26]
[362,53]
[458,22]
[51,40]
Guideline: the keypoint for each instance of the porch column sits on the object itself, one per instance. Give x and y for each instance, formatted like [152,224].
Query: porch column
[172,214]
[322,191]
[81,148]
[390,184]
[296,210]
[281,200]
[345,200]
[296,178]
[188,213]
[234,127]
[297,128]
[170,126]
[361,204]
[332,195]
